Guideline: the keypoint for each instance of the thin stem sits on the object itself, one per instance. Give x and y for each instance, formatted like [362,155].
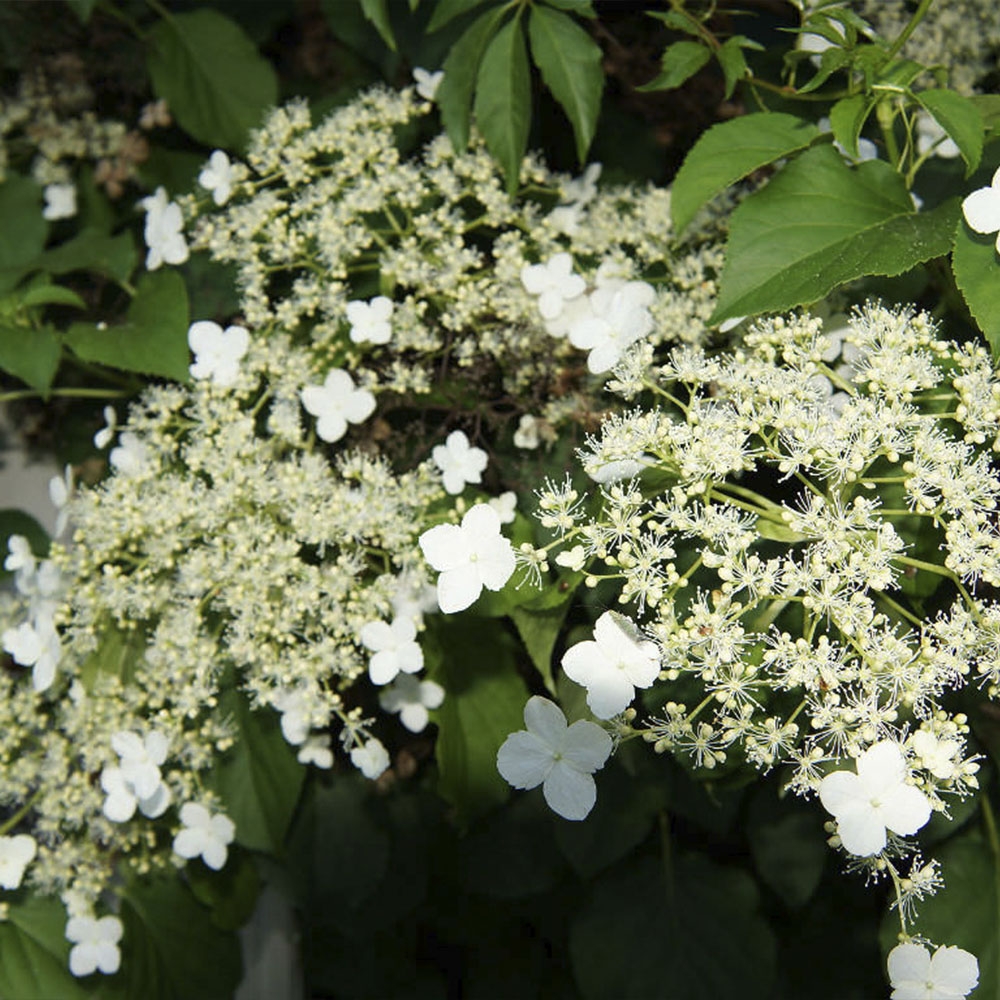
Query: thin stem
[918,16]
[7,397]
[11,823]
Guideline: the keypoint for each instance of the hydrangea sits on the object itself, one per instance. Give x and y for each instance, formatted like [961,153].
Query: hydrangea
[469,557]
[95,944]
[204,835]
[613,665]
[217,352]
[218,177]
[60,202]
[411,697]
[370,320]
[131,456]
[36,645]
[102,438]
[620,317]
[337,402]
[371,759]
[459,462]
[395,648]
[982,208]
[553,282]
[16,853]
[136,782]
[560,758]
[505,505]
[164,231]
[427,82]
[949,974]
[873,800]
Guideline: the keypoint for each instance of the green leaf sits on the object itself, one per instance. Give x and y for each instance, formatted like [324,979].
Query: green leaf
[818,224]
[474,660]
[211,75]
[377,12]
[231,893]
[92,250]
[32,355]
[830,62]
[50,295]
[733,61]
[503,99]
[152,341]
[570,64]
[730,151]
[582,8]
[36,953]
[678,20]
[117,655]
[171,950]
[447,10]
[454,95]
[988,106]
[976,265]
[692,928]
[680,62]
[23,232]
[259,779]
[83,9]
[847,119]
[960,118]
[539,631]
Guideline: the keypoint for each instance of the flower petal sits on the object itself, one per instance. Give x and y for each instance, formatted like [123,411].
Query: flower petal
[444,547]
[840,792]
[861,830]
[908,962]
[458,588]
[569,792]
[954,970]
[545,719]
[982,210]
[905,810]
[586,746]
[524,760]
[881,769]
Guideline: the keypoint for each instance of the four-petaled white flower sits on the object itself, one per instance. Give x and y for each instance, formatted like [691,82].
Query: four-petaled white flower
[560,758]
[136,782]
[936,753]
[411,698]
[620,317]
[218,176]
[60,490]
[217,352]
[316,750]
[103,437]
[553,282]
[337,402]
[21,557]
[982,209]
[164,232]
[60,202]
[371,759]
[131,456]
[468,556]
[613,665]
[505,505]
[370,320]
[293,705]
[875,799]
[427,82]
[204,835]
[16,853]
[95,944]
[395,648]
[526,435]
[37,646]
[459,462]
[914,974]
[121,799]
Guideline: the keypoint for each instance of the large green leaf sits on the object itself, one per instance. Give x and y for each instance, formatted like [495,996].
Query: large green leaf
[171,950]
[976,264]
[92,250]
[152,340]
[730,151]
[260,779]
[680,62]
[211,75]
[454,94]
[539,631]
[377,11]
[503,99]
[961,119]
[22,228]
[30,355]
[446,10]
[687,931]
[570,63]
[474,660]
[821,223]
[847,119]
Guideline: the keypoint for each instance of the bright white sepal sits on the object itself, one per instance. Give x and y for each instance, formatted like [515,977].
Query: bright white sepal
[371,759]
[411,698]
[16,853]
[336,403]
[204,835]
[218,177]
[982,209]
[164,231]
[873,800]
[554,283]
[122,800]
[217,352]
[370,321]
[914,974]
[469,557]
[613,665]
[459,462]
[395,649]
[560,758]
[427,82]
[95,944]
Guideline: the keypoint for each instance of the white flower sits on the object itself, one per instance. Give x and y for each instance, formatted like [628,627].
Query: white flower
[204,835]
[37,646]
[459,462]
[936,754]
[982,208]
[614,470]
[411,698]
[21,557]
[370,320]
[427,82]
[95,944]
[505,505]
[395,648]
[931,137]
[103,437]
[141,759]
[164,231]
[621,317]
[371,759]
[316,750]
[217,352]
[875,799]
[553,282]
[336,403]
[583,189]
[574,559]
[131,456]
[16,853]
[218,176]
[469,557]
[526,435]
[294,709]
[558,757]
[60,202]
[613,665]
[121,800]
[414,596]
[566,219]
[60,490]
[950,974]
